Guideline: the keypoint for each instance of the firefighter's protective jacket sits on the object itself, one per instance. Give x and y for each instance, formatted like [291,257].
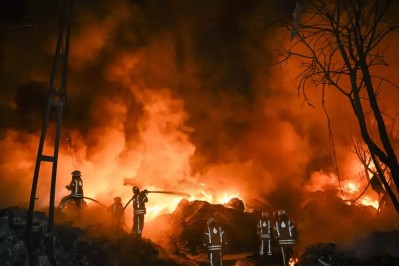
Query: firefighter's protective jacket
[76,187]
[214,237]
[285,232]
[139,200]
[116,209]
[264,228]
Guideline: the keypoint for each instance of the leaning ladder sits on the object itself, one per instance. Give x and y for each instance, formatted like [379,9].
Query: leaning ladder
[56,98]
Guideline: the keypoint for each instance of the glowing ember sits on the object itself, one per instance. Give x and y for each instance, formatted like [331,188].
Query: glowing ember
[227,197]
[351,187]
[293,261]
[160,204]
[368,201]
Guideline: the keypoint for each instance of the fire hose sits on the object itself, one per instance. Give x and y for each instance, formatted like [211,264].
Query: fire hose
[98,202]
[178,193]
[183,194]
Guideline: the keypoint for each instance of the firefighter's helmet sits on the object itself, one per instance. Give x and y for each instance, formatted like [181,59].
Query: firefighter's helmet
[210,221]
[135,190]
[76,173]
[281,212]
[117,200]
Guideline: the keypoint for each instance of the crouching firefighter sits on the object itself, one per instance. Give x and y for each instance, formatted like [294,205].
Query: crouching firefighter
[285,233]
[139,210]
[214,240]
[264,233]
[76,188]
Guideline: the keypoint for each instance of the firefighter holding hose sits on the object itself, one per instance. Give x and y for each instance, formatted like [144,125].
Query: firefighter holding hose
[76,188]
[139,200]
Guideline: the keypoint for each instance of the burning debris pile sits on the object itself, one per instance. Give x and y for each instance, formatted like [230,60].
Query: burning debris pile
[73,246]
[181,240]
[182,233]
[235,203]
[185,227]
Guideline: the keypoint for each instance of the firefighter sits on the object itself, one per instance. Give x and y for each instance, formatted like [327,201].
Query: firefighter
[285,233]
[139,210]
[275,247]
[117,213]
[214,240]
[76,188]
[264,226]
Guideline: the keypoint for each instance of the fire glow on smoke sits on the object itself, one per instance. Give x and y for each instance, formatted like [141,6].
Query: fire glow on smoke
[170,105]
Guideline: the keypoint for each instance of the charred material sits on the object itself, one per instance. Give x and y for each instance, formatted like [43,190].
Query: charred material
[235,203]
[320,254]
[72,245]
[13,250]
[330,254]
[95,246]
[189,220]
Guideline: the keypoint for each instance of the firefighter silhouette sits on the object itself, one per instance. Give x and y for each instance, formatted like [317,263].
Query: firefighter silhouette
[264,226]
[214,240]
[76,188]
[285,233]
[139,210]
[117,214]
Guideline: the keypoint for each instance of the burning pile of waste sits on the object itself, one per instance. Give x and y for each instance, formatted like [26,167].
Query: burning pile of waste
[185,227]
[182,233]
[181,242]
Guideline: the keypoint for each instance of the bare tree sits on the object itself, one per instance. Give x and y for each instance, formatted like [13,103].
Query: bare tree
[339,43]
[381,186]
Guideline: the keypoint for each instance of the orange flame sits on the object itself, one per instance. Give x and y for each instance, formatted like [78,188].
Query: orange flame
[293,261]
[227,197]
[348,189]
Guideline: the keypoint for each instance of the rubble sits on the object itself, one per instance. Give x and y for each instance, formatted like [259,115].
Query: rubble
[186,226]
[330,254]
[235,203]
[72,246]
[183,235]
[319,254]
[12,246]
[92,246]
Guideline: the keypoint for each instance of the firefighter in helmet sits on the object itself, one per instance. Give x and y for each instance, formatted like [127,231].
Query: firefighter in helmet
[285,233]
[214,240]
[264,226]
[117,214]
[139,210]
[76,188]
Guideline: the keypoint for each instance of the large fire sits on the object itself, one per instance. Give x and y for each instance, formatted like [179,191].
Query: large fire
[159,160]
[174,104]
[348,189]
